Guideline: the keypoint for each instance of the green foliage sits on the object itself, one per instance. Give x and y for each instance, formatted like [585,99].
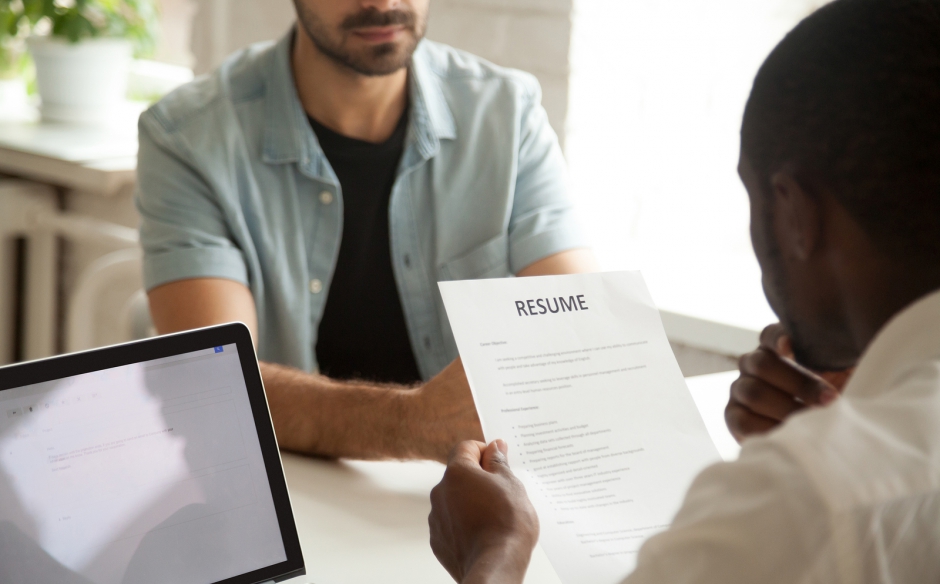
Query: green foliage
[79,19]
[14,62]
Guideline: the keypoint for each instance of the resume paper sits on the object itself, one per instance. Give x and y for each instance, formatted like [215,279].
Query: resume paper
[576,375]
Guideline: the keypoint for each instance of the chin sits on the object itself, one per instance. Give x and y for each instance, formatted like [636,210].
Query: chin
[824,351]
[383,59]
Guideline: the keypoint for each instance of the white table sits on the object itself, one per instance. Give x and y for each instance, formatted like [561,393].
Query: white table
[366,522]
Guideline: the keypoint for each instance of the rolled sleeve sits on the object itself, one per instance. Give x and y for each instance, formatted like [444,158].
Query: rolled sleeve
[194,262]
[543,220]
[544,233]
[183,231]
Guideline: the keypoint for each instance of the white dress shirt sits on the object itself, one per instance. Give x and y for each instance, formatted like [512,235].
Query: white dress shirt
[849,493]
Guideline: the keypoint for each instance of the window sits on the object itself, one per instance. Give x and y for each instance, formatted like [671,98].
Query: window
[657,92]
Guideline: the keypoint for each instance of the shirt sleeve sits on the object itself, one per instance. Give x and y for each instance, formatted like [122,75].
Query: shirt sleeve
[183,231]
[543,218]
[758,519]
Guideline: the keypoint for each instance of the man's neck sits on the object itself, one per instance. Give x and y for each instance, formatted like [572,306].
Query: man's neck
[349,103]
[879,299]
[873,286]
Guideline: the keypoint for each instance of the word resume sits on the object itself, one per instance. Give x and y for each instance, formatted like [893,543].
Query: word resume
[576,375]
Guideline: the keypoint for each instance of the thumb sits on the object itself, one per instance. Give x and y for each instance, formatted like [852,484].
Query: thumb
[494,457]
[775,338]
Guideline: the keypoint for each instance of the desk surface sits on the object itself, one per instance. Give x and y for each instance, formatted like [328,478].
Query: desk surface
[366,522]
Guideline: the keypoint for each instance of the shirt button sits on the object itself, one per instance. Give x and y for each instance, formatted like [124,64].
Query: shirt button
[316,286]
[326,197]
[407,261]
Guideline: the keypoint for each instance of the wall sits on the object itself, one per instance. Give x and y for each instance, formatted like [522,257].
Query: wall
[532,35]
[221,27]
[176,18]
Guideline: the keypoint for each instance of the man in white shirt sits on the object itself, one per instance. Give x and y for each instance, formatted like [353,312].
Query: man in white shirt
[841,161]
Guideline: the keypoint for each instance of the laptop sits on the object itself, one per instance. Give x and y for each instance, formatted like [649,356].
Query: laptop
[144,463]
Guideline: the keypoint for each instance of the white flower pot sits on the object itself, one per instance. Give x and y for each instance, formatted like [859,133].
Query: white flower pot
[83,82]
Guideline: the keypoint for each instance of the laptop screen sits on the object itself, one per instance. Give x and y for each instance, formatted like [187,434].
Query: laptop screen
[145,472]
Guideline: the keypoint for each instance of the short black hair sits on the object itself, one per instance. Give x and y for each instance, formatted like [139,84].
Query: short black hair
[849,101]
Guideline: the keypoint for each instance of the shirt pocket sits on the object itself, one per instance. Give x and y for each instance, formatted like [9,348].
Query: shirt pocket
[490,260]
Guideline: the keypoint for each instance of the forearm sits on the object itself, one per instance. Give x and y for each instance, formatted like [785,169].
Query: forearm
[573,261]
[316,415]
[505,564]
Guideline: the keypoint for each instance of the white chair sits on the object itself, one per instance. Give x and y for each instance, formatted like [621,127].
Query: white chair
[110,284]
[107,304]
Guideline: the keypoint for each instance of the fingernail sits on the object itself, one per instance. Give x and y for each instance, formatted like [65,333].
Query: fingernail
[502,446]
[828,396]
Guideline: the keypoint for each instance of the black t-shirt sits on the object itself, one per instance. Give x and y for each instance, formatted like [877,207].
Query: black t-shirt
[362,333]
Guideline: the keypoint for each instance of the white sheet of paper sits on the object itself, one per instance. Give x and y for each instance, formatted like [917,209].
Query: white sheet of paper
[576,375]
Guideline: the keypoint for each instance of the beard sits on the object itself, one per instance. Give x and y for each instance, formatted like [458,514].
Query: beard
[379,60]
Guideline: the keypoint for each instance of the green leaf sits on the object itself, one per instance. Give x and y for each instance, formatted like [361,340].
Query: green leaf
[136,20]
[48,9]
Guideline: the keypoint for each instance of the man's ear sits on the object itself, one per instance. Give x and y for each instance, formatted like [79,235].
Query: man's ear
[798,217]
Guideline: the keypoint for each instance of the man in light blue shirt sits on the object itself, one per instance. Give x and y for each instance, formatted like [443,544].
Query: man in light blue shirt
[255,190]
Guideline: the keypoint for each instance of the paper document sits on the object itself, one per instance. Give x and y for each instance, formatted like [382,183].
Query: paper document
[576,375]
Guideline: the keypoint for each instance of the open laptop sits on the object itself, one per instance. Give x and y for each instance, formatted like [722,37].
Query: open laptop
[144,463]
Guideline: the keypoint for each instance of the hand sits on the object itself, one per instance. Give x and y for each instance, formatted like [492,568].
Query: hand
[483,527]
[443,413]
[772,386]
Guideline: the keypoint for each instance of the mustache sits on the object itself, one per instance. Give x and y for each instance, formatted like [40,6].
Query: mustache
[374,17]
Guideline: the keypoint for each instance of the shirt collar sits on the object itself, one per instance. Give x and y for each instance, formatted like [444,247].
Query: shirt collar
[910,338]
[287,134]
[431,117]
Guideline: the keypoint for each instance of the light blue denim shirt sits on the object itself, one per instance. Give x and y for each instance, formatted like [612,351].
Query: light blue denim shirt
[232,183]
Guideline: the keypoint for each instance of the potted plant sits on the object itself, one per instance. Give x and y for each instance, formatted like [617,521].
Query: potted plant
[82,50]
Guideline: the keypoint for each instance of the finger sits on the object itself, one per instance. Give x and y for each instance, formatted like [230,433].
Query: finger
[494,458]
[743,422]
[837,379]
[773,336]
[787,376]
[764,399]
[468,452]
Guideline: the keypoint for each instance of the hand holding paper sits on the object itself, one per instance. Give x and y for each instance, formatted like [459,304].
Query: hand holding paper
[576,375]
[480,500]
